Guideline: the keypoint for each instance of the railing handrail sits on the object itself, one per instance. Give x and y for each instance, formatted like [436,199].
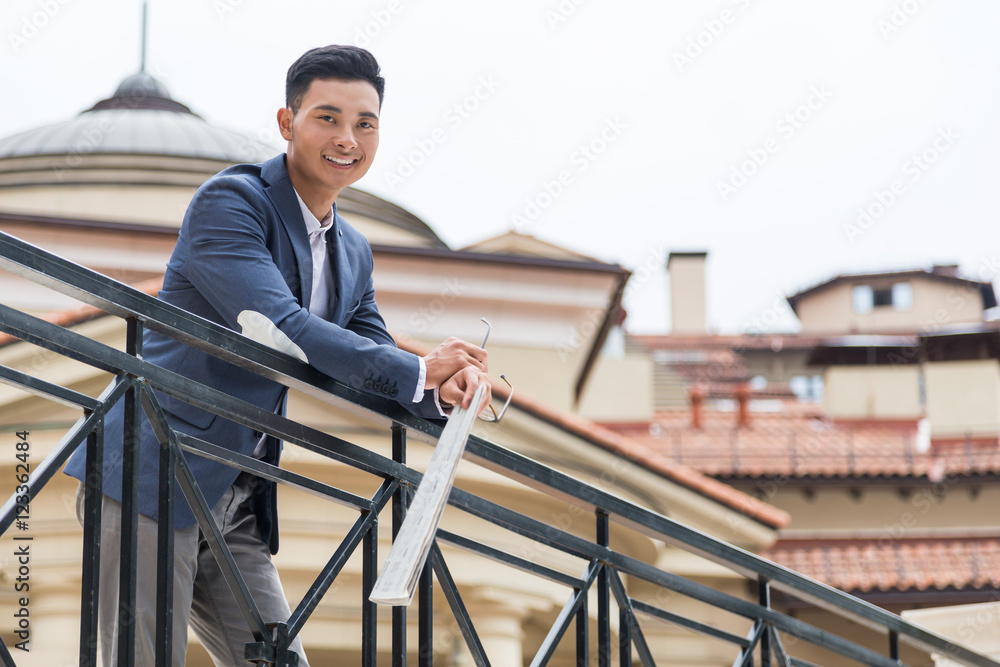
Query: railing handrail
[30,262]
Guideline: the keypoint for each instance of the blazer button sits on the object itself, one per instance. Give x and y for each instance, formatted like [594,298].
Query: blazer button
[386,390]
[368,384]
[377,386]
[393,392]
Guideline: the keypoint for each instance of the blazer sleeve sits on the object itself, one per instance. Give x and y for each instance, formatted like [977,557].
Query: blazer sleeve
[229,262]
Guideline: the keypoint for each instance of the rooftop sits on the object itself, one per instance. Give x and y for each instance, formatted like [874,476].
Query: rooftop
[898,564]
[802,444]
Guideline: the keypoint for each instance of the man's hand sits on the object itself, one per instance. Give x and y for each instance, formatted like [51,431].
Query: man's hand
[451,357]
[460,388]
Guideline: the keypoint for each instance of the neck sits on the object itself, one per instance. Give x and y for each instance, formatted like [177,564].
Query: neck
[319,201]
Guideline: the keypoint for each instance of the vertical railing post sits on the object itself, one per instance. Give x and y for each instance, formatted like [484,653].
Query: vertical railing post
[603,596]
[90,578]
[425,634]
[165,559]
[764,598]
[624,638]
[129,520]
[369,610]
[894,645]
[399,501]
[582,635]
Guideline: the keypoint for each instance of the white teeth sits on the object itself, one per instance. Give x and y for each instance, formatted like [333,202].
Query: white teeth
[335,160]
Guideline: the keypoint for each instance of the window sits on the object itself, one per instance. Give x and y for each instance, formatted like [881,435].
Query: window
[863,298]
[882,297]
[902,296]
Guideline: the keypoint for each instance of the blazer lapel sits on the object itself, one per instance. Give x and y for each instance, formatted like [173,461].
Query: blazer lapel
[343,274]
[282,195]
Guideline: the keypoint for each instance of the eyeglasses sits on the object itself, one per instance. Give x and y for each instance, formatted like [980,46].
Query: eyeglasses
[495,418]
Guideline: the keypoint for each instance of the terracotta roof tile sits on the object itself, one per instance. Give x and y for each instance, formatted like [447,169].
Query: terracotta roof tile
[804,444]
[894,564]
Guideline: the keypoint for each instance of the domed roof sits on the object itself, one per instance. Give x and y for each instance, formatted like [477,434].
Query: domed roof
[142,119]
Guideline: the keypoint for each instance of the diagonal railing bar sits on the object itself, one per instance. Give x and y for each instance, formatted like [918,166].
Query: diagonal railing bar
[354,537]
[576,600]
[51,464]
[745,657]
[779,648]
[53,392]
[505,558]
[688,623]
[210,530]
[272,472]
[458,609]
[625,604]
[5,657]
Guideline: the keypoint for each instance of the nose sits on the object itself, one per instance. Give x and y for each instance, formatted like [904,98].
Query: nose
[343,136]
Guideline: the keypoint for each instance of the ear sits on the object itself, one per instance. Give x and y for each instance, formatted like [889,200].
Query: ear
[285,116]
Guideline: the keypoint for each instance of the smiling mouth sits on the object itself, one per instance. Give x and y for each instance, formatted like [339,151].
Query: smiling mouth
[342,162]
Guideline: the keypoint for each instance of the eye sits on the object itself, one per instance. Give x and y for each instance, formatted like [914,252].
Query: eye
[327,118]
[367,124]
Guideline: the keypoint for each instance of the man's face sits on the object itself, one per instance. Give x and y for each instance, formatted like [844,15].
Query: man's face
[332,137]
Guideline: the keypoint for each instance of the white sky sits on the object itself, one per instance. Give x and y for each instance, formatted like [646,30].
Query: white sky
[562,73]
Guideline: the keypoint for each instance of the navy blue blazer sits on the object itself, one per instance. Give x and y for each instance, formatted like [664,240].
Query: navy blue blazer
[244,246]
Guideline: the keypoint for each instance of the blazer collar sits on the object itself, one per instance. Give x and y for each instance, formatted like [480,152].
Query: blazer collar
[281,193]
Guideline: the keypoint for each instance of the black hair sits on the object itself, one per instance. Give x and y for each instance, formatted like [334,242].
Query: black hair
[347,63]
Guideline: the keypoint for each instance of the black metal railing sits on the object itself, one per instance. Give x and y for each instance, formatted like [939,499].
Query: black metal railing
[602,566]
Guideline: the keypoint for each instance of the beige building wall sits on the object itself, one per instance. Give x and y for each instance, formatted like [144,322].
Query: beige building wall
[963,397]
[872,392]
[936,303]
[974,626]
[885,513]
[619,390]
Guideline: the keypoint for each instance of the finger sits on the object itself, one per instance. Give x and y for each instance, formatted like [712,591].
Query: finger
[471,385]
[487,397]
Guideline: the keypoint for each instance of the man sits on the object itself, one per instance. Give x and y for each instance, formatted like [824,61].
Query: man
[262,250]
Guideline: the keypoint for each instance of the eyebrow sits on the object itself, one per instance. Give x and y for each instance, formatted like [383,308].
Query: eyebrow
[330,107]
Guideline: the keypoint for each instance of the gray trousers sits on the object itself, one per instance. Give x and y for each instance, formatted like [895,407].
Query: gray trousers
[202,598]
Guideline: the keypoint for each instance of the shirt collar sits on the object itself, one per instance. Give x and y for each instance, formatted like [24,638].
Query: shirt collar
[314,225]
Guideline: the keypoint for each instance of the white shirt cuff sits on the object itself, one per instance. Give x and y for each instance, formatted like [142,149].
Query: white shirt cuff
[437,404]
[421,381]
[418,395]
